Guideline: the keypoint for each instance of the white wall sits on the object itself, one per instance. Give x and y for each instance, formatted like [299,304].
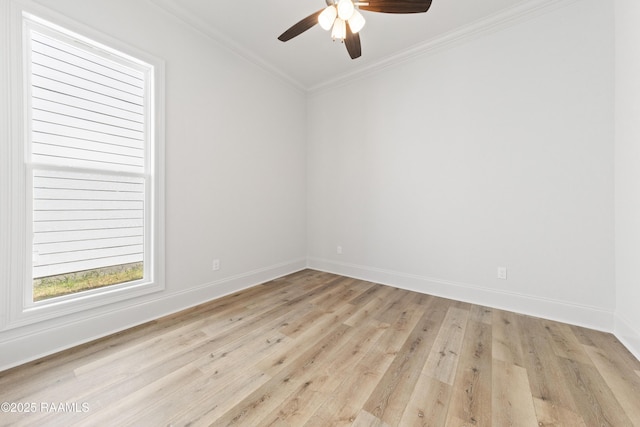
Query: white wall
[235,175]
[627,327]
[495,152]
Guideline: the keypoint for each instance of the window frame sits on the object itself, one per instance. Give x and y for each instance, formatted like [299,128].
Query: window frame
[17,212]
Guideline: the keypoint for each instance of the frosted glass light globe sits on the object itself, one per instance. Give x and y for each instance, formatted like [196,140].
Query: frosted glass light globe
[345,9]
[326,18]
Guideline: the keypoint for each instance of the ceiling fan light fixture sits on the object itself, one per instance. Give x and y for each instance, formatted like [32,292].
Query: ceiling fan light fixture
[337,14]
[345,9]
[356,22]
[339,31]
[327,17]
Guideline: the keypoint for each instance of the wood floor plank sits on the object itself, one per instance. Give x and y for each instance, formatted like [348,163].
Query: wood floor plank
[371,292]
[114,347]
[443,359]
[211,402]
[313,333]
[300,406]
[429,403]
[110,382]
[397,303]
[565,343]
[251,409]
[229,358]
[596,403]
[297,326]
[602,340]
[506,344]
[481,314]
[338,290]
[129,405]
[316,349]
[142,354]
[188,350]
[549,414]
[223,375]
[370,310]
[471,395]
[626,388]
[389,399]
[553,401]
[366,419]
[512,394]
[343,406]
[107,395]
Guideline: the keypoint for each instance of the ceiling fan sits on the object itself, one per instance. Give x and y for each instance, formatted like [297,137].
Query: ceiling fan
[345,21]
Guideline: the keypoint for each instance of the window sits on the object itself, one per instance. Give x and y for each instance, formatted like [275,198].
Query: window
[92,168]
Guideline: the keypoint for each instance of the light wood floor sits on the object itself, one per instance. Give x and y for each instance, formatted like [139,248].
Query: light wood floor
[315,349]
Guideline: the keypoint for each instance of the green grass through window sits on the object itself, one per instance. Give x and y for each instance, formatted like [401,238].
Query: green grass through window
[65,284]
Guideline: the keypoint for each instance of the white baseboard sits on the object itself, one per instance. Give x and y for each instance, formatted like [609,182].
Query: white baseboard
[25,347]
[627,335]
[562,311]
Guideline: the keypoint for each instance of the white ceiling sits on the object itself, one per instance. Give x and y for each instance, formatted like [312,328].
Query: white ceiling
[251,28]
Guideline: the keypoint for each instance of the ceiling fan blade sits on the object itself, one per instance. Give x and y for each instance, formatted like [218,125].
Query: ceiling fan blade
[300,27]
[397,6]
[352,42]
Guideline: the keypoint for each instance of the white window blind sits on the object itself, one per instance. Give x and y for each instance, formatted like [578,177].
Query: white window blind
[89,156]
[87,111]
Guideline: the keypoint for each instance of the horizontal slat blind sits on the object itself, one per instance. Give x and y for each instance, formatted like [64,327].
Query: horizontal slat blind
[87,111]
[85,221]
[87,114]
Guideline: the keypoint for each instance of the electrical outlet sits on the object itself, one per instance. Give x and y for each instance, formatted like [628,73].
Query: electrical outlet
[216,265]
[339,250]
[502,273]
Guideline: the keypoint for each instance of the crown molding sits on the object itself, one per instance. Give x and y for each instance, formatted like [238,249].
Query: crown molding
[198,25]
[496,22]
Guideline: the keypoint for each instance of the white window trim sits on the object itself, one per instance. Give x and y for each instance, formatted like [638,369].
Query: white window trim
[15,265]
